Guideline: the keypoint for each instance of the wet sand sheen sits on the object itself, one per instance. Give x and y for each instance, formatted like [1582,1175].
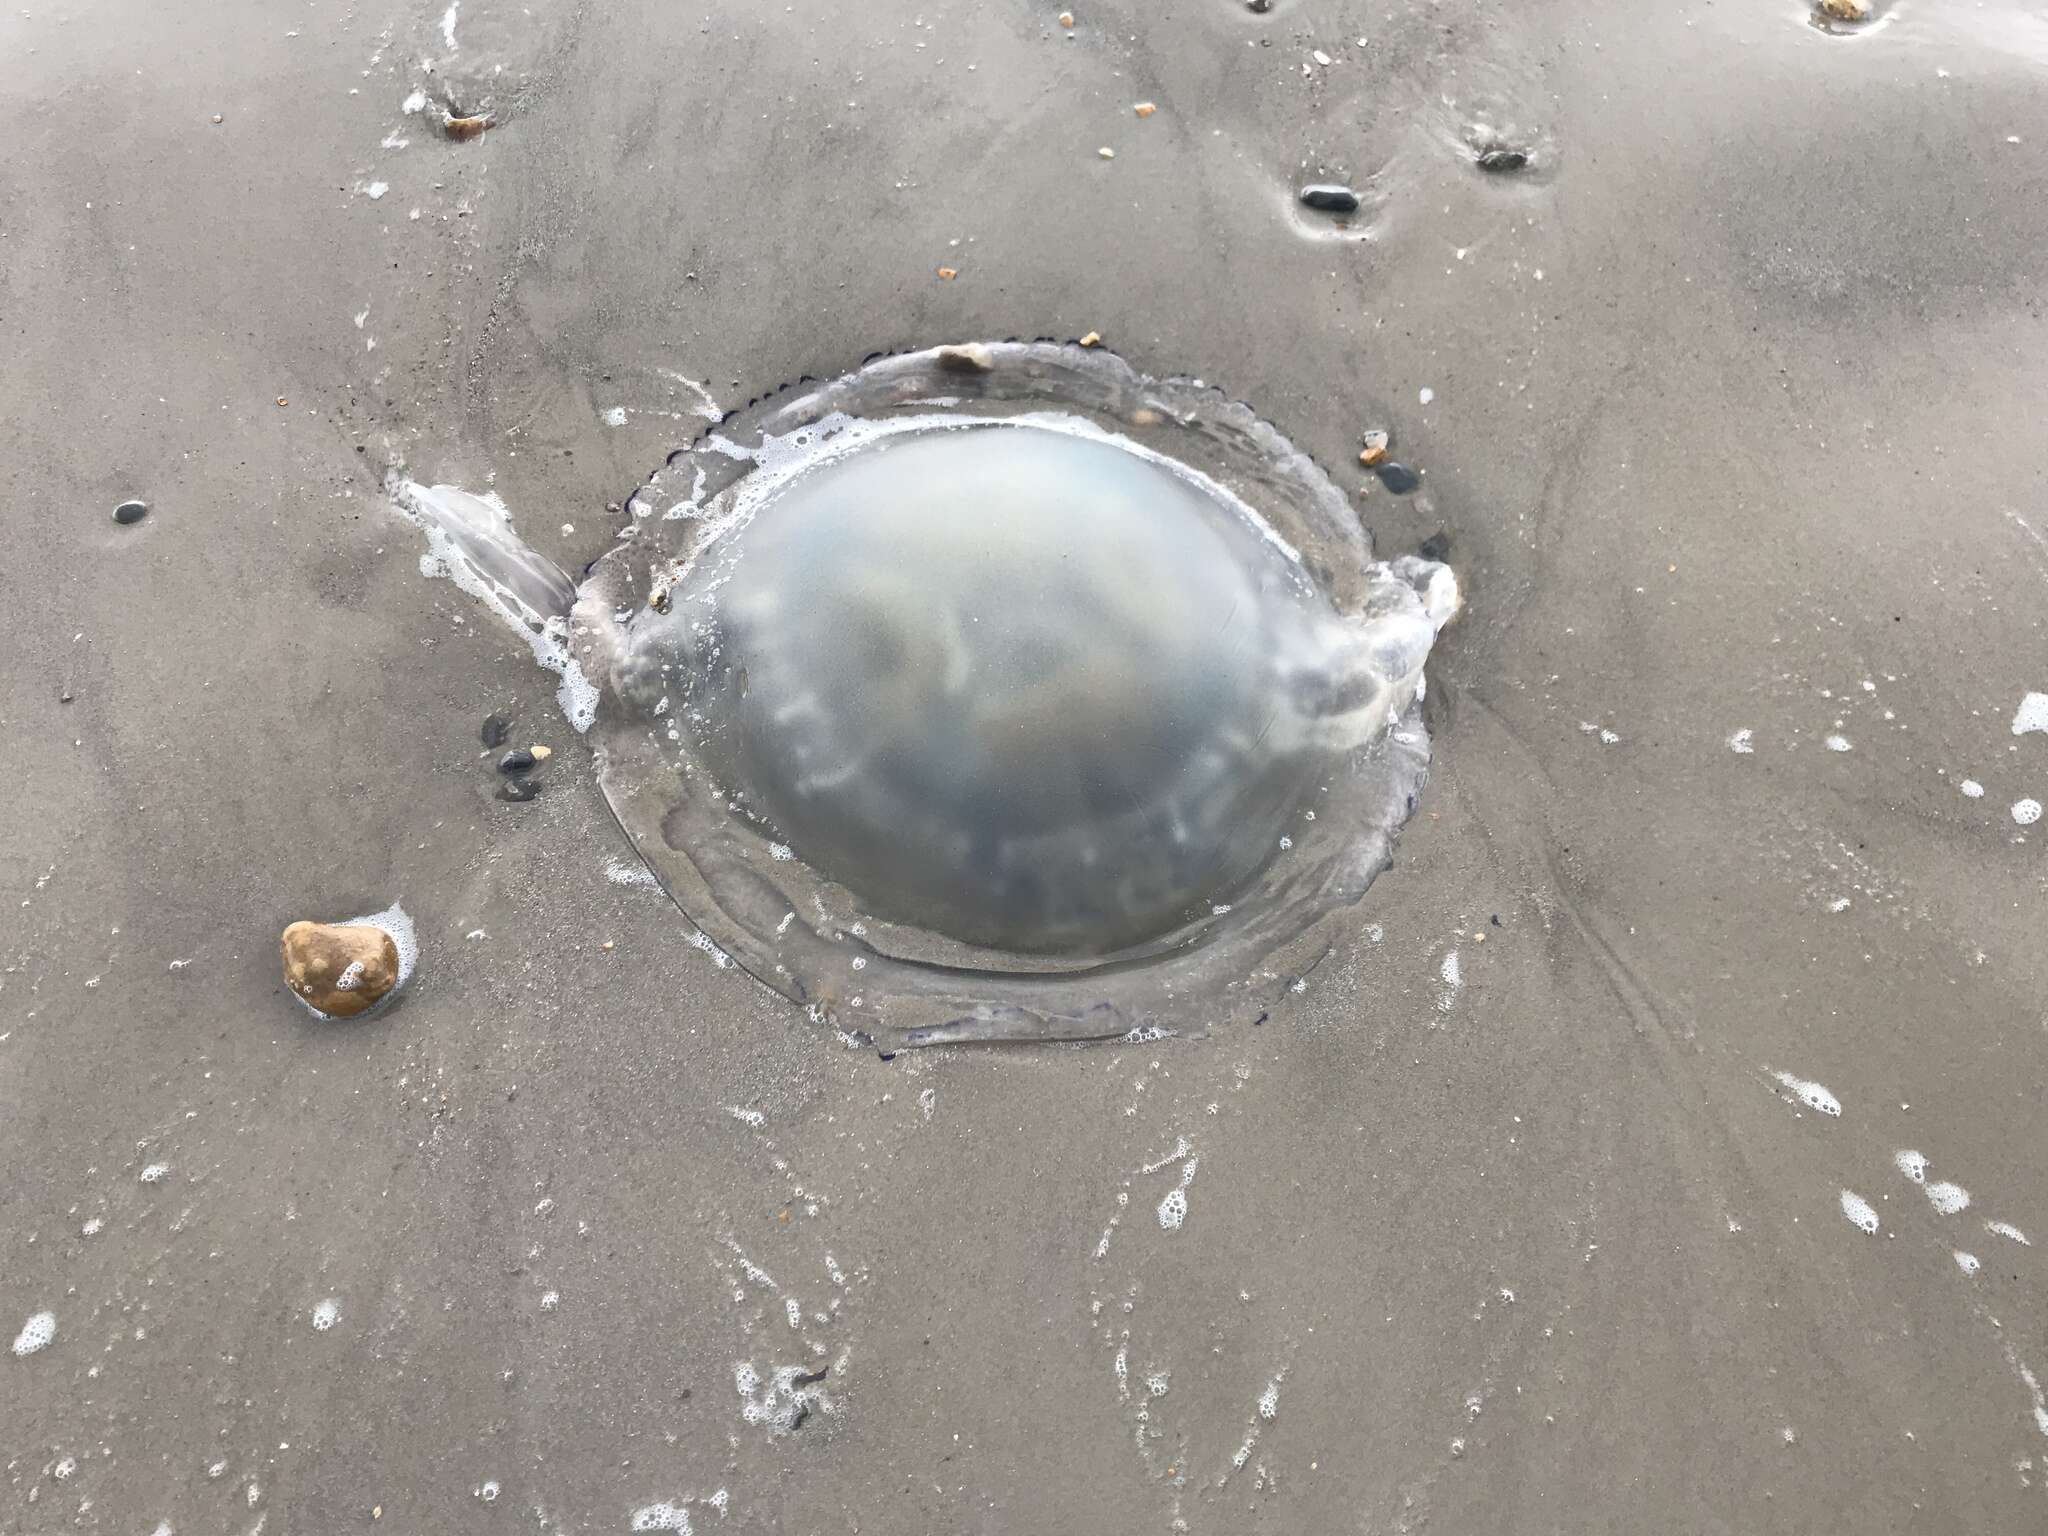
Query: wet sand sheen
[1523,1211]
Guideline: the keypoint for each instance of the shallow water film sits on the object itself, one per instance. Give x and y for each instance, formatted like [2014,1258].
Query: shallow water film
[958,699]
[1656,1147]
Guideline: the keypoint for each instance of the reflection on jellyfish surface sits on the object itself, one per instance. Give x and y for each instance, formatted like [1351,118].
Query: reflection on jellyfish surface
[1001,692]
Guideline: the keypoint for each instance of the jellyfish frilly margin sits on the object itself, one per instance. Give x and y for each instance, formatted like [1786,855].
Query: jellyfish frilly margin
[800,933]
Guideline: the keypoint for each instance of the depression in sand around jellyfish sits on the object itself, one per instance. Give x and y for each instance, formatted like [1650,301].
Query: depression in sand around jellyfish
[991,692]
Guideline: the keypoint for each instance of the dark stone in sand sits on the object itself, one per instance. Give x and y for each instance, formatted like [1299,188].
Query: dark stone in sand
[519,760]
[1398,478]
[131,512]
[518,791]
[1330,199]
[496,729]
[1258,7]
[1499,158]
[1438,547]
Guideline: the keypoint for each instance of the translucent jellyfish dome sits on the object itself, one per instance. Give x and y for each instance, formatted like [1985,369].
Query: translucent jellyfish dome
[1001,692]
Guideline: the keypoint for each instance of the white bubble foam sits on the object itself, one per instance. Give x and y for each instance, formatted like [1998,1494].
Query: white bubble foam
[1947,1198]
[2026,812]
[416,102]
[1173,1210]
[1269,1400]
[663,1517]
[2032,715]
[327,1314]
[467,533]
[1812,1095]
[1912,1164]
[1859,1211]
[1968,1263]
[619,872]
[1972,789]
[155,1173]
[2007,1230]
[488,1490]
[615,417]
[1838,744]
[1743,741]
[36,1333]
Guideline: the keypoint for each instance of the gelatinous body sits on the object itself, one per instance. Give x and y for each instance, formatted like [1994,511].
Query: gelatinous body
[1018,685]
[1001,692]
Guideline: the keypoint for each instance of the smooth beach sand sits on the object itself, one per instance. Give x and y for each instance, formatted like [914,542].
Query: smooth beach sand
[1729,405]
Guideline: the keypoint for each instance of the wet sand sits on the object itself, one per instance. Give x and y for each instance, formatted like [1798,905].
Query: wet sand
[1504,1223]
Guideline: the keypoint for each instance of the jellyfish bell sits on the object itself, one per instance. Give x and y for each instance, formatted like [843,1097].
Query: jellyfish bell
[1006,693]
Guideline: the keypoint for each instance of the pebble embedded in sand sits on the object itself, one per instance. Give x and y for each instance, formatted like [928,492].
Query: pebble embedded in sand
[1844,10]
[339,969]
[1145,108]
[1502,158]
[518,760]
[1398,478]
[495,729]
[1330,199]
[1373,447]
[947,274]
[1093,338]
[131,512]
[517,791]
[465,127]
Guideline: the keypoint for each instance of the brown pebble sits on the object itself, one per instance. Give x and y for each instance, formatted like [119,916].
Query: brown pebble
[1145,108]
[540,754]
[1844,10]
[217,117]
[1066,18]
[340,969]
[969,357]
[282,402]
[947,274]
[1091,338]
[465,127]
[1375,449]
[1145,416]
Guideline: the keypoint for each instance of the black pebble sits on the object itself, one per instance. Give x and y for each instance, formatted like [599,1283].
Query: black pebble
[131,512]
[1258,7]
[1330,199]
[518,791]
[496,729]
[518,760]
[1436,547]
[1398,478]
[1500,158]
